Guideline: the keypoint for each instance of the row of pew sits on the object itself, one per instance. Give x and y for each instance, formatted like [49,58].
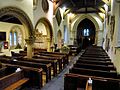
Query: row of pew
[92,71]
[34,72]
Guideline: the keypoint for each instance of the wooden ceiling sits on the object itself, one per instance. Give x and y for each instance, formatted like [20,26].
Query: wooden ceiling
[10,19]
[74,6]
[84,6]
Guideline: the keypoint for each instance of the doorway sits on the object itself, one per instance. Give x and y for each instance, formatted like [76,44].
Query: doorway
[85,33]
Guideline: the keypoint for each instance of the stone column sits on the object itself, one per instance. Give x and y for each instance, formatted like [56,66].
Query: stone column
[30,43]
[96,37]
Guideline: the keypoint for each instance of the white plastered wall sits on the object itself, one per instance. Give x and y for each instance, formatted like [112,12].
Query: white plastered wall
[39,13]
[57,27]
[114,51]
[6,27]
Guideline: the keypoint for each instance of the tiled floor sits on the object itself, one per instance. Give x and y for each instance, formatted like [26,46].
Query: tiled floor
[57,83]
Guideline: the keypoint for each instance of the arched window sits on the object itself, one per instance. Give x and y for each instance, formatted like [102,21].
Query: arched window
[65,34]
[10,38]
[86,32]
[15,37]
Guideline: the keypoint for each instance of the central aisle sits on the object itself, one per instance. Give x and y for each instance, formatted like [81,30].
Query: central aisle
[57,83]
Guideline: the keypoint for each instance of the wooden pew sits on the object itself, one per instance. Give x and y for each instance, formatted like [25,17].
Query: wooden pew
[95,62]
[62,56]
[100,53]
[51,59]
[46,67]
[57,57]
[95,56]
[73,49]
[34,75]
[66,55]
[36,50]
[105,84]
[44,61]
[76,81]
[17,54]
[92,72]
[95,59]
[54,54]
[4,73]
[12,78]
[95,67]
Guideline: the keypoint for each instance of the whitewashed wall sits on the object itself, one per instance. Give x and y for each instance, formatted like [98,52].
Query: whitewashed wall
[39,13]
[6,27]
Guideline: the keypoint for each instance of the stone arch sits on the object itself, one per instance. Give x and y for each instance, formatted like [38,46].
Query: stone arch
[97,26]
[49,30]
[21,16]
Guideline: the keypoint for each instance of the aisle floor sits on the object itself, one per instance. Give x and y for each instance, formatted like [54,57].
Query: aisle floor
[57,83]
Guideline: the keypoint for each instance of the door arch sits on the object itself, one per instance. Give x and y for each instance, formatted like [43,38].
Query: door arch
[85,33]
[94,19]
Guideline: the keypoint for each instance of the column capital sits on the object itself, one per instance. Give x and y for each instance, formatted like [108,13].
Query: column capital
[30,40]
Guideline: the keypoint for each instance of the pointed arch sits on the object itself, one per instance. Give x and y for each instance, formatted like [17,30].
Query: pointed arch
[93,19]
[48,27]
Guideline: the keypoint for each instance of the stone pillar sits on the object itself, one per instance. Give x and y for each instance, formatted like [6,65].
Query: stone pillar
[96,38]
[48,46]
[73,36]
[30,43]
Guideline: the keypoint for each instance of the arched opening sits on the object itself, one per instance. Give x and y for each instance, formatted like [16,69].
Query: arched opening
[13,21]
[85,33]
[43,34]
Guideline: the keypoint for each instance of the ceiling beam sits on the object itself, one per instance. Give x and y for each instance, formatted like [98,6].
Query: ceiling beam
[102,10]
[81,12]
[66,12]
[8,18]
[72,3]
[106,2]
[56,4]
